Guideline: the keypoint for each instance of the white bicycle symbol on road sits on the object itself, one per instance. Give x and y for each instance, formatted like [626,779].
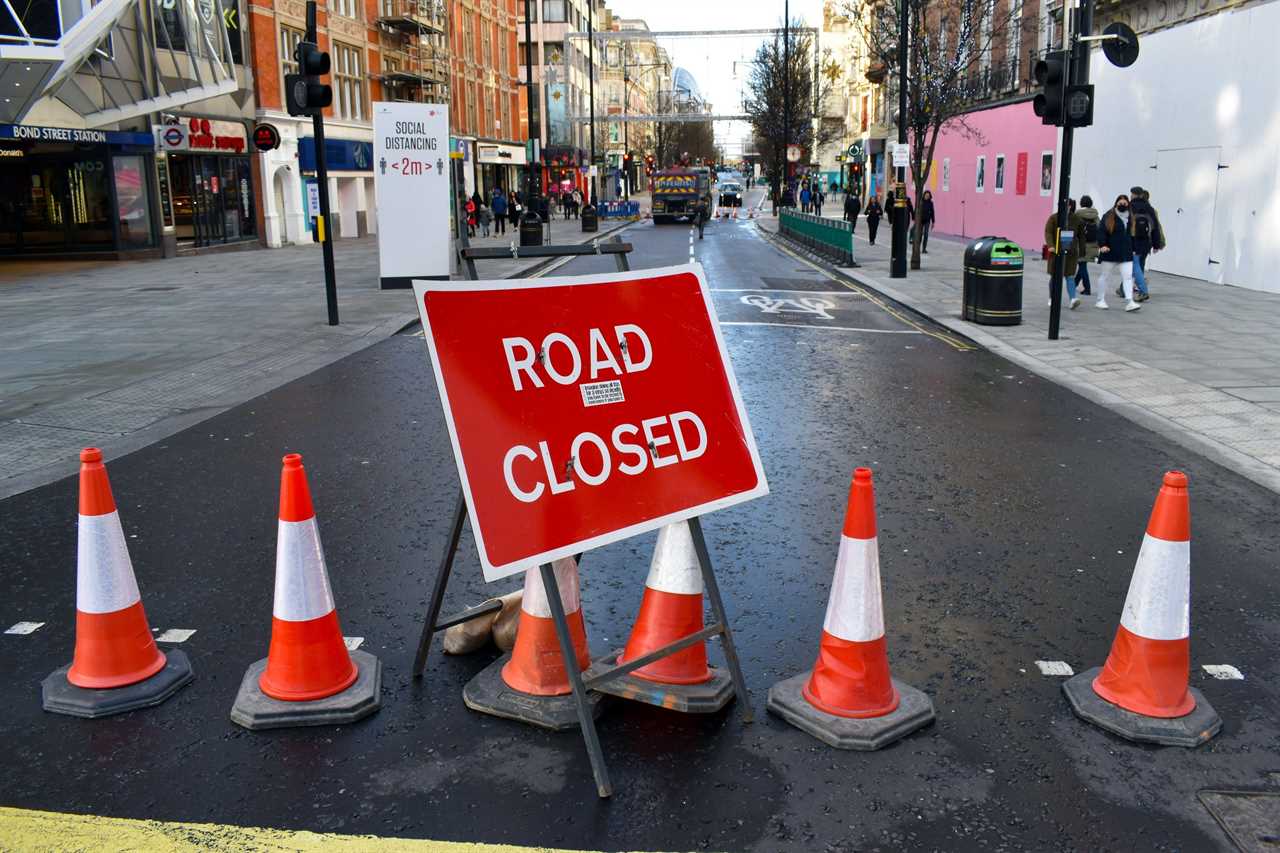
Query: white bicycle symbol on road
[801,305]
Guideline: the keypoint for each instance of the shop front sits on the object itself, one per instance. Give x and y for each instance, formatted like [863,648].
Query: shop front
[207,175]
[75,191]
[561,169]
[349,162]
[499,165]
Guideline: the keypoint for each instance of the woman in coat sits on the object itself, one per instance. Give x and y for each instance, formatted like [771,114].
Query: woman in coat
[927,217]
[1070,257]
[1087,237]
[852,207]
[1115,250]
[874,213]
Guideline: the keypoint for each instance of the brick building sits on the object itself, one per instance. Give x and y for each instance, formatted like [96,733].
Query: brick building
[484,106]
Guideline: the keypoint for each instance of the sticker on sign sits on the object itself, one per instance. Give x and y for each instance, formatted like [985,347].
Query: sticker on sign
[585,410]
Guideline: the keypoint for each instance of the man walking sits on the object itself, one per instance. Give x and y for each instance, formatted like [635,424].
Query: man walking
[499,211]
[1148,236]
[852,207]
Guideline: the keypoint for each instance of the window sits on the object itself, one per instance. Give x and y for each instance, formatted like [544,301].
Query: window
[488,47]
[999,174]
[865,110]
[553,12]
[348,82]
[345,8]
[289,39]
[1015,31]
[980,180]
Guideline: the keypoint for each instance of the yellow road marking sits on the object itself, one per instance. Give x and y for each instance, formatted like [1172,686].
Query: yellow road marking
[956,343]
[30,831]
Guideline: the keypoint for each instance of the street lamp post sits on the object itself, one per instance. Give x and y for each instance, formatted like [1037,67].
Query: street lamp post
[530,222]
[898,263]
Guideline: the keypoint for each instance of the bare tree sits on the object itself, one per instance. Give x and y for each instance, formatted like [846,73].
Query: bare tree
[675,141]
[958,53]
[771,82]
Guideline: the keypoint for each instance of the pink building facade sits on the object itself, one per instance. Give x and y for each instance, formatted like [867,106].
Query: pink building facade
[1001,178]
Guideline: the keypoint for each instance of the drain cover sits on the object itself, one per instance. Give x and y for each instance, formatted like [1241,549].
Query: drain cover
[152,289]
[809,284]
[1250,818]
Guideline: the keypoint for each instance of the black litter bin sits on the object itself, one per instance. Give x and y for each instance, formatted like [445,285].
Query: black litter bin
[590,219]
[992,293]
[530,229]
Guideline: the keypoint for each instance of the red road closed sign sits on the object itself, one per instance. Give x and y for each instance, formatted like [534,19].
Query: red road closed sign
[586,410]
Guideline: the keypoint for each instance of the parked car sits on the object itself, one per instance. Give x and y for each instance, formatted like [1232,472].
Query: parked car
[730,195]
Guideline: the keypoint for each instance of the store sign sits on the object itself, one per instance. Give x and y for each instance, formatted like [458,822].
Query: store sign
[509,155]
[202,134]
[37,133]
[586,410]
[266,137]
[340,155]
[411,183]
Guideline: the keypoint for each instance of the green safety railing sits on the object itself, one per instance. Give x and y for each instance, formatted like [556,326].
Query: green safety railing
[832,237]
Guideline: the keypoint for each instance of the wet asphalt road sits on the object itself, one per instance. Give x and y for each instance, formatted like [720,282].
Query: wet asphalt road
[1010,515]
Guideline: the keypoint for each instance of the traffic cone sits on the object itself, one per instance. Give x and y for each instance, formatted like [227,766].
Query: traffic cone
[670,611]
[114,646]
[849,699]
[531,683]
[537,666]
[308,676]
[1143,691]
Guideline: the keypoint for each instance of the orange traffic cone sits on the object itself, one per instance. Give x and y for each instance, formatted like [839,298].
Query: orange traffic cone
[849,700]
[1145,678]
[537,666]
[531,684]
[114,645]
[308,662]
[670,611]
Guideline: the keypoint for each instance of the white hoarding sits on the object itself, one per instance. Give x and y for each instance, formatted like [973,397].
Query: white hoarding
[411,182]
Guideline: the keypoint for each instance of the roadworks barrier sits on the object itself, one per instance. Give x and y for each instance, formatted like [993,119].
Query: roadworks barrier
[117,666]
[849,700]
[671,609]
[531,684]
[1142,692]
[308,677]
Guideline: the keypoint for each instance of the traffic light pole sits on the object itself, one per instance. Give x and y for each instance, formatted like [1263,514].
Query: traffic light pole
[322,179]
[898,262]
[1076,72]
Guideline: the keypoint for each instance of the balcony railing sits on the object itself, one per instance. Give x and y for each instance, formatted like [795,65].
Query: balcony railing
[406,67]
[413,15]
[997,80]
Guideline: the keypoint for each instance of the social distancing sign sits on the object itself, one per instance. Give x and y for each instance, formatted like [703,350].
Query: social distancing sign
[584,410]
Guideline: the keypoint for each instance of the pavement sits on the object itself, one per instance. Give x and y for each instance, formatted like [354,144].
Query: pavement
[1200,363]
[119,355]
[1010,512]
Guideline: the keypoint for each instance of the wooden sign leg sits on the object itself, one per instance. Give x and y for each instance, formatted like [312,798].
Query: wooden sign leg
[717,608]
[585,718]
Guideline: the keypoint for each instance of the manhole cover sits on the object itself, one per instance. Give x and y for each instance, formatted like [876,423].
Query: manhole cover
[151,289]
[814,285]
[1250,818]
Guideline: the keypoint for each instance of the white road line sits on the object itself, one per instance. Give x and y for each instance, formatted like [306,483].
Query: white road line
[176,635]
[1223,671]
[353,643]
[775,290]
[24,628]
[1055,667]
[832,328]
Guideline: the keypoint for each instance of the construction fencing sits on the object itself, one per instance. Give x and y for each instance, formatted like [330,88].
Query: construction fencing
[831,237]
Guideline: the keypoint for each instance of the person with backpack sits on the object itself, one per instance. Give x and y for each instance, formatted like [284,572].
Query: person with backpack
[805,198]
[873,213]
[1148,236]
[1070,256]
[1115,249]
[499,211]
[1087,237]
[852,207]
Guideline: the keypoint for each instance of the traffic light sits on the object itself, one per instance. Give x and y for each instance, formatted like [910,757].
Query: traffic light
[1079,105]
[305,95]
[1051,76]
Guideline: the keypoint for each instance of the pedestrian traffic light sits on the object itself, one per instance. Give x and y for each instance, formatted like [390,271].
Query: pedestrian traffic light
[305,95]
[1051,76]
[1079,105]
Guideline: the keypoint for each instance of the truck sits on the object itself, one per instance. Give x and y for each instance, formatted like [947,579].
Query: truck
[680,194]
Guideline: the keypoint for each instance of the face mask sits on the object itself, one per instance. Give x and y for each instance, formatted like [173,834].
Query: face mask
[1122,207]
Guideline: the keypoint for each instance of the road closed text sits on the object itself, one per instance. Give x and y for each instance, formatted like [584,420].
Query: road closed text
[630,448]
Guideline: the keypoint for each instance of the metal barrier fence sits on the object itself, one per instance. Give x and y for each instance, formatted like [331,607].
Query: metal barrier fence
[831,236]
[618,210]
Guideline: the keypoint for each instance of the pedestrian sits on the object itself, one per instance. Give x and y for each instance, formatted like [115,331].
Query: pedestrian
[873,213]
[484,216]
[927,219]
[499,211]
[514,209]
[1115,248]
[471,217]
[806,198]
[818,199]
[577,203]
[852,207]
[1087,237]
[1070,252]
[1148,237]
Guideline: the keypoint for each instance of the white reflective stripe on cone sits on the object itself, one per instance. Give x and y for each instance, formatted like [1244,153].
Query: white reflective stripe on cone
[1158,606]
[855,611]
[674,567]
[535,594]
[302,584]
[104,573]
